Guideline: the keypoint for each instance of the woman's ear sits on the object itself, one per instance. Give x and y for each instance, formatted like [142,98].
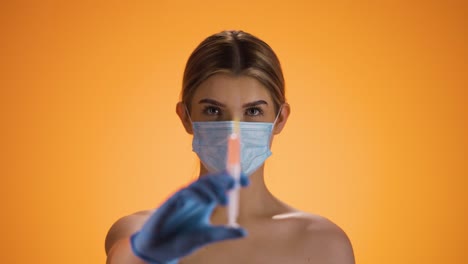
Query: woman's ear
[282,118]
[181,111]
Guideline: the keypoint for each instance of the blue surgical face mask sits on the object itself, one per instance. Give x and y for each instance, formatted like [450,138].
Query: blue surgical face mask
[210,141]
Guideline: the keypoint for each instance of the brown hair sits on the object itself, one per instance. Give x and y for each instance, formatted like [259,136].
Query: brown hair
[238,53]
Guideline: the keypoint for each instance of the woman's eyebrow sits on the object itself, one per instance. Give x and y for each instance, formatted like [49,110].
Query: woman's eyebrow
[214,102]
[211,101]
[255,103]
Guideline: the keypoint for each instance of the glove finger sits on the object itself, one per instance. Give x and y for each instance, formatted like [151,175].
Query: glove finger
[185,204]
[222,180]
[215,186]
[204,192]
[169,210]
[178,208]
[221,184]
[244,180]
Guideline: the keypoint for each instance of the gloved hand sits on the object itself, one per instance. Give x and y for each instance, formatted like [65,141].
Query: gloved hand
[182,224]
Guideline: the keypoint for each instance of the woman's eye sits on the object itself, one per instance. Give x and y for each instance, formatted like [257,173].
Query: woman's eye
[254,111]
[211,110]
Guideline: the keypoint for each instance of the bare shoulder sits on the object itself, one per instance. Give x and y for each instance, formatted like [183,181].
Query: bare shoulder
[317,239]
[324,241]
[125,227]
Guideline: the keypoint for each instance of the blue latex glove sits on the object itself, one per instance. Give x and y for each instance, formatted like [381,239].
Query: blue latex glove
[182,224]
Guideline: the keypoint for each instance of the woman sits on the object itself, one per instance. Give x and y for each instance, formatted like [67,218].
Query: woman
[230,76]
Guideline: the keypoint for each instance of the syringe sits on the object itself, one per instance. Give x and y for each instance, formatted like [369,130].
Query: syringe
[234,169]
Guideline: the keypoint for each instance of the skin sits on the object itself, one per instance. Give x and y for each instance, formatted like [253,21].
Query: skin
[277,233]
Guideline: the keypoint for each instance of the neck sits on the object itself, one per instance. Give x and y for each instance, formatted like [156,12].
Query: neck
[255,201]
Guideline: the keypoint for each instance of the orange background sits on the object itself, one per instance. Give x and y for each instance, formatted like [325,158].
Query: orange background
[376,140]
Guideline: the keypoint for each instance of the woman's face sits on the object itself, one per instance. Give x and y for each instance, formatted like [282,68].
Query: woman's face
[224,97]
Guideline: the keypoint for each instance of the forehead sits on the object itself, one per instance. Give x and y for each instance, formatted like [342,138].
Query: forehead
[228,88]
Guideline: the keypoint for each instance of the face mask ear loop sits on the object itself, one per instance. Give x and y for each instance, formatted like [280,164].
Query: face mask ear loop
[188,113]
[279,112]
